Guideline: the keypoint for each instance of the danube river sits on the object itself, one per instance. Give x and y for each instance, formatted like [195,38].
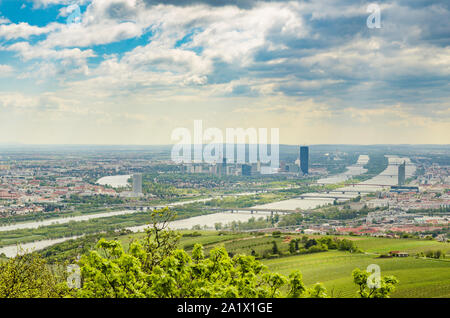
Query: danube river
[351,171]
[384,180]
[208,221]
[120,181]
[205,220]
[311,200]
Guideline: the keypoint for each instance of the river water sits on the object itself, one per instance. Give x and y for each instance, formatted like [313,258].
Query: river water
[37,224]
[208,220]
[205,220]
[119,181]
[352,171]
[13,250]
[311,200]
[62,220]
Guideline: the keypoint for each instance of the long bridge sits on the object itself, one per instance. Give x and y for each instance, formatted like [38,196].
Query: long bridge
[357,184]
[335,197]
[254,210]
[345,191]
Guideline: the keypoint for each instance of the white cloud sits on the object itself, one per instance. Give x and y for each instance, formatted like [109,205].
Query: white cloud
[6,70]
[29,52]
[24,30]
[80,35]
[10,100]
[51,62]
[46,3]
[285,64]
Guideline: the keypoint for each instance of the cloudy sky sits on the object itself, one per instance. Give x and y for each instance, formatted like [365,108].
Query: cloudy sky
[131,71]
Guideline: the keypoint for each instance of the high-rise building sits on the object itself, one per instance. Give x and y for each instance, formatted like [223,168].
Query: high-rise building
[401,173]
[221,168]
[246,170]
[224,166]
[137,183]
[198,168]
[304,159]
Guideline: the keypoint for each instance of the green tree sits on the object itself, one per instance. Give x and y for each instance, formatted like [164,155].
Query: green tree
[310,243]
[292,247]
[29,276]
[297,288]
[154,267]
[317,291]
[159,242]
[121,274]
[150,269]
[275,249]
[383,290]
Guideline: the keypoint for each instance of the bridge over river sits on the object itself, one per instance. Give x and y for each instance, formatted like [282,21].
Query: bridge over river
[312,200]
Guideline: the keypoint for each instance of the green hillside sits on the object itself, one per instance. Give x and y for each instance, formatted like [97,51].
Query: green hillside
[419,277]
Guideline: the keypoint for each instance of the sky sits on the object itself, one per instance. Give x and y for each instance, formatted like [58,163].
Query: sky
[132,71]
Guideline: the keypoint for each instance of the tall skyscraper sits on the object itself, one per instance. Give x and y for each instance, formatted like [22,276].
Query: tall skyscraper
[304,159]
[401,173]
[246,170]
[137,183]
[224,165]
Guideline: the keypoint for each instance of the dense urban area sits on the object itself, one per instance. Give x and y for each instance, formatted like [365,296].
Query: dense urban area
[59,202]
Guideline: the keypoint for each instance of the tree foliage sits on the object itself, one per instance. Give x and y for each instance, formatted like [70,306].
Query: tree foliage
[112,272]
[28,276]
[154,267]
[385,287]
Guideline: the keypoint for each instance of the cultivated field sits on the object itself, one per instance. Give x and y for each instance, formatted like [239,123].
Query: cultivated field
[419,277]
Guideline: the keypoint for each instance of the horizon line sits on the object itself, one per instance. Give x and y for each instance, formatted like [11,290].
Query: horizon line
[191,144]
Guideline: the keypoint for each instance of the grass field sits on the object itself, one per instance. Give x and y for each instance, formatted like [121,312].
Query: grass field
[384,245]
[207,239]
[418,277]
